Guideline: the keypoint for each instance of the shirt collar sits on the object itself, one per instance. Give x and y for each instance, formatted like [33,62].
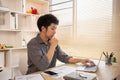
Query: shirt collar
[39,38]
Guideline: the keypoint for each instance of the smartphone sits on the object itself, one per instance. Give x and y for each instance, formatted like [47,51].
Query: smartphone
[50,72]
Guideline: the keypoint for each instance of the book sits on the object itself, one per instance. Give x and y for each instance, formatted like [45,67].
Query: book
[29,77]
[14,21]
[23,6]
[79,76]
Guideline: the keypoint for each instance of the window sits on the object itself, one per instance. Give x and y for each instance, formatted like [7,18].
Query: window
[63,9]
[90,24]
[94,24]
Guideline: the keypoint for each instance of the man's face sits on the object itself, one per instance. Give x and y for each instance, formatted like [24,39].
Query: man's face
[51,30]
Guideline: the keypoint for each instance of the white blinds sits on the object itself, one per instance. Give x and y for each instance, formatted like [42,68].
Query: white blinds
[94,23]
[63,9]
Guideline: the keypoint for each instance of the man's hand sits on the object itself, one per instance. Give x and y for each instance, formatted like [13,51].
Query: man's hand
[54,42]
[87,62]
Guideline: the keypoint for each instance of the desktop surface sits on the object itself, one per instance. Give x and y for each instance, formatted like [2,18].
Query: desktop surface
[104,72]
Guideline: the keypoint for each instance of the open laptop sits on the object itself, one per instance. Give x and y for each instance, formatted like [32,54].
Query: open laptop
[89,68]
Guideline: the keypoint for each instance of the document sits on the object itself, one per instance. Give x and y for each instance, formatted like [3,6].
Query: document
[62,71]
[30,77]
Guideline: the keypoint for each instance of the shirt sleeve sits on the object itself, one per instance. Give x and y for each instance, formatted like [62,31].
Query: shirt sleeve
[37,57]
[62,56]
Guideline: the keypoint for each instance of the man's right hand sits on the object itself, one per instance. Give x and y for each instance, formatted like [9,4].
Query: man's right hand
[54,42]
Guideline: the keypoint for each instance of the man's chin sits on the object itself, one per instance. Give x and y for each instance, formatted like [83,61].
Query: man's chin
[49,38]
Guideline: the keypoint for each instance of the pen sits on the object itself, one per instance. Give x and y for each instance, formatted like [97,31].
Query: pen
[83,76]
[104,54]
[111,54]
[107,54]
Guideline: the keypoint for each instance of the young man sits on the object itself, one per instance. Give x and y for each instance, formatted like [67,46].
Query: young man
[43,50]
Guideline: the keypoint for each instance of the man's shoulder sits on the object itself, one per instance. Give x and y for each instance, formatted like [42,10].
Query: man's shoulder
[32,41]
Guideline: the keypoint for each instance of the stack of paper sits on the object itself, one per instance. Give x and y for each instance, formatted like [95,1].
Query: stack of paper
[62,71]
[30,77]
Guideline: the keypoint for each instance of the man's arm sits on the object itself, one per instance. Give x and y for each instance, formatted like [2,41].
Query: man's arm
[36,57]
[53,44]
[83,61]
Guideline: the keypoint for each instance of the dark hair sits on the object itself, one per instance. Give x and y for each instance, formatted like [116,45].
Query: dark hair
[46,21]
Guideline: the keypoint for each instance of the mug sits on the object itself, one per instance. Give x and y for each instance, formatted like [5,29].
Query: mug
[108,60]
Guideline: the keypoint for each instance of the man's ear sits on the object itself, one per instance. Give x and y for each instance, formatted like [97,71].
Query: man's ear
[43,28]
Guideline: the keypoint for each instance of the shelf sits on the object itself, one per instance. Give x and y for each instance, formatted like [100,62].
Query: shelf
[39,1]
[8,30]
[15,66]
[2,9]
[7,49]
[30,31]
[2,50]
[26,14]
[21,48]
[15,25]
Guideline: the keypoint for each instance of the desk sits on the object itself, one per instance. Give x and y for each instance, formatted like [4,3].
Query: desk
[104,72]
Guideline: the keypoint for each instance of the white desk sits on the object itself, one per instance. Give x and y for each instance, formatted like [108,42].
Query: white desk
[104,72]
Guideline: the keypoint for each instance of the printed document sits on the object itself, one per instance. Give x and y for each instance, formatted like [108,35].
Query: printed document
[62,71]
[30,77]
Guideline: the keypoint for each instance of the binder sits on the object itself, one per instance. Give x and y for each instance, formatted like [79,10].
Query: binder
[14,21]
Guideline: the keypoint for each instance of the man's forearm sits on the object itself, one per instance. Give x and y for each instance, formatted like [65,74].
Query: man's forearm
[74,60]
[50,53]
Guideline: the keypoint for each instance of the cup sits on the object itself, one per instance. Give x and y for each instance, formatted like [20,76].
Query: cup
[108,60]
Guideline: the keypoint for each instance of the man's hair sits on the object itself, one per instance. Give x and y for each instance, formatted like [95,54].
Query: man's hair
[46,21]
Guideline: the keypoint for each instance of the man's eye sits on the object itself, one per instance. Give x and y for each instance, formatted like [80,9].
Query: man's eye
[53,29]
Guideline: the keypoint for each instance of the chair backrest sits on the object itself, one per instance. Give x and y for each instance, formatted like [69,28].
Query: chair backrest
[118,77]
[23,63]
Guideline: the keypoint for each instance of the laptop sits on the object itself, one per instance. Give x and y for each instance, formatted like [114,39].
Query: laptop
[89,68]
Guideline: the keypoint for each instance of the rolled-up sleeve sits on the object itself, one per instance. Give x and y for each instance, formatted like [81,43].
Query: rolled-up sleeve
[62,56]
[37,57]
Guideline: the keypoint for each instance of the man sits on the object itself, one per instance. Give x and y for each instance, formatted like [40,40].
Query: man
[43,50]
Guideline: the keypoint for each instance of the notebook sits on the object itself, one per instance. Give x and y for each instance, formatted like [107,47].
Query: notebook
[89,68]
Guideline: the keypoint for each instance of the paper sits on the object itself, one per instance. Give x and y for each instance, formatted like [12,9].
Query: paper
[80,68]
[30,77]
[62,71]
